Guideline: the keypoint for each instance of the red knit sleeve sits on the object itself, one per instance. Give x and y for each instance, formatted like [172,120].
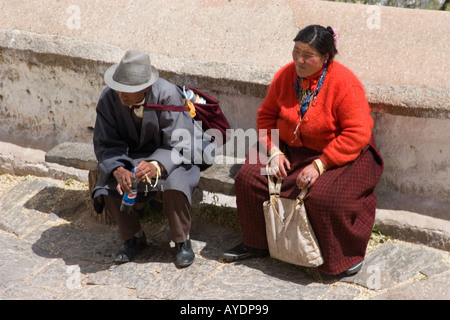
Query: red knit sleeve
[356,123]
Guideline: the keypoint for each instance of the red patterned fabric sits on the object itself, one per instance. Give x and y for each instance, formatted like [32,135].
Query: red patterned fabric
[341,204]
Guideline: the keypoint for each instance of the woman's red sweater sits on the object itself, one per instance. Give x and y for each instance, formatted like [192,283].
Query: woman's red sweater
[338,123]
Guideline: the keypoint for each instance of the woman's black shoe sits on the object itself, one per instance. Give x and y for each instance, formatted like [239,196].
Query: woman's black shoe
[241,252]
[336,277]
[352,270]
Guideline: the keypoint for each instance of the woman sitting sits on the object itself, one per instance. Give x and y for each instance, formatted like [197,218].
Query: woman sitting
[322,117]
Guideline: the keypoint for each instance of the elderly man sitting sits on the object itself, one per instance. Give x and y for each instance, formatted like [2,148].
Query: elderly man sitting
[129,135]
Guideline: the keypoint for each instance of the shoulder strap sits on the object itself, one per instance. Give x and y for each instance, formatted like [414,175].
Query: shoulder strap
[166,108]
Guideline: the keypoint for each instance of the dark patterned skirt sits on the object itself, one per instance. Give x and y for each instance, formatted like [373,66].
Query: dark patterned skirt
[341,204]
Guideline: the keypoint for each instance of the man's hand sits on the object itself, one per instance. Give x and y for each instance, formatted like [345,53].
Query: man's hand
[145,168]
[123,177]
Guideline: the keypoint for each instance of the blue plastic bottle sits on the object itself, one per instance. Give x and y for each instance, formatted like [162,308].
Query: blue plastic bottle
[128,200]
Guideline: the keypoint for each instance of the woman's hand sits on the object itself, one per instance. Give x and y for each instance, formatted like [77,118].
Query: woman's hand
[307,177]
[279,166]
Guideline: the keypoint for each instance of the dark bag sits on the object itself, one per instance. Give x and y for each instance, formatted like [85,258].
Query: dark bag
[210,116]
[209,113]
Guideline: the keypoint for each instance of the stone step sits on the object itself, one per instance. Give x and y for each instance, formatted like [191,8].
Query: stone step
[73,154]
[37,201]
[48,251]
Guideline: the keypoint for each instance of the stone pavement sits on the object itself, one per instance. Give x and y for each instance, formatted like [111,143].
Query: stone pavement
[53,250]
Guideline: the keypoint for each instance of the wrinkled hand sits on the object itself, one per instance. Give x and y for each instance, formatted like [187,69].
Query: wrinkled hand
[123,177]
[307,177]
[145,168]
[279,166]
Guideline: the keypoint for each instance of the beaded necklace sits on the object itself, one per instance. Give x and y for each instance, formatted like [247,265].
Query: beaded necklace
[304,97]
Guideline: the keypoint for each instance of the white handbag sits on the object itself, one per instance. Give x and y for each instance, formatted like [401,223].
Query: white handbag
[289,233]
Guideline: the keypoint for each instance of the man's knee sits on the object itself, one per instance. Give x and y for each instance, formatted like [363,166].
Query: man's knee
[171,195]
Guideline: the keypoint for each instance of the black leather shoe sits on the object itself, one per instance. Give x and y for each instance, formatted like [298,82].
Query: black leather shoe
[241,252]
[128,247]
[185,256]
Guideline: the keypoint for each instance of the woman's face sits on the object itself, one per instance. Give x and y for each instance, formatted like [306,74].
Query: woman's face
[307,60]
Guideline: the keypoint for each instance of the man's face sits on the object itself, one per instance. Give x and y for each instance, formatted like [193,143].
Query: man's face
[132,98]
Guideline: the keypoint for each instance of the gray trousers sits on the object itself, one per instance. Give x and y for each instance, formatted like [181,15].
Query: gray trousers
[176,207]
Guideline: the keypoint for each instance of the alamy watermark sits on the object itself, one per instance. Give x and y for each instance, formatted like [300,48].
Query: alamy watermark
[374,17]
[73,21]
[74,279]
[374,280]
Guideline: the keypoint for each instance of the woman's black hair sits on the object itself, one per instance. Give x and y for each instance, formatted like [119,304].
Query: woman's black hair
[319,38]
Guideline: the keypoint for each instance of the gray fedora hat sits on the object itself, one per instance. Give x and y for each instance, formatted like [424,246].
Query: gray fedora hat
[134,73]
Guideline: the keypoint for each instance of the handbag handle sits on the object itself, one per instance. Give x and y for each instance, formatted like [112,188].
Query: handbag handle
[302,194]
[275,188]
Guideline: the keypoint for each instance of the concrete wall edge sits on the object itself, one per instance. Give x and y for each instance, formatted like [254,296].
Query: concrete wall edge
[422,102]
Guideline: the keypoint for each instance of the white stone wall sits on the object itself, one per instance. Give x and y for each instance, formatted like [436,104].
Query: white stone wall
[416,152]
[42,105]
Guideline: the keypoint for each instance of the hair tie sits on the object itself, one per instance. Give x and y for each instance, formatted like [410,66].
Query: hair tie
[335,36]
